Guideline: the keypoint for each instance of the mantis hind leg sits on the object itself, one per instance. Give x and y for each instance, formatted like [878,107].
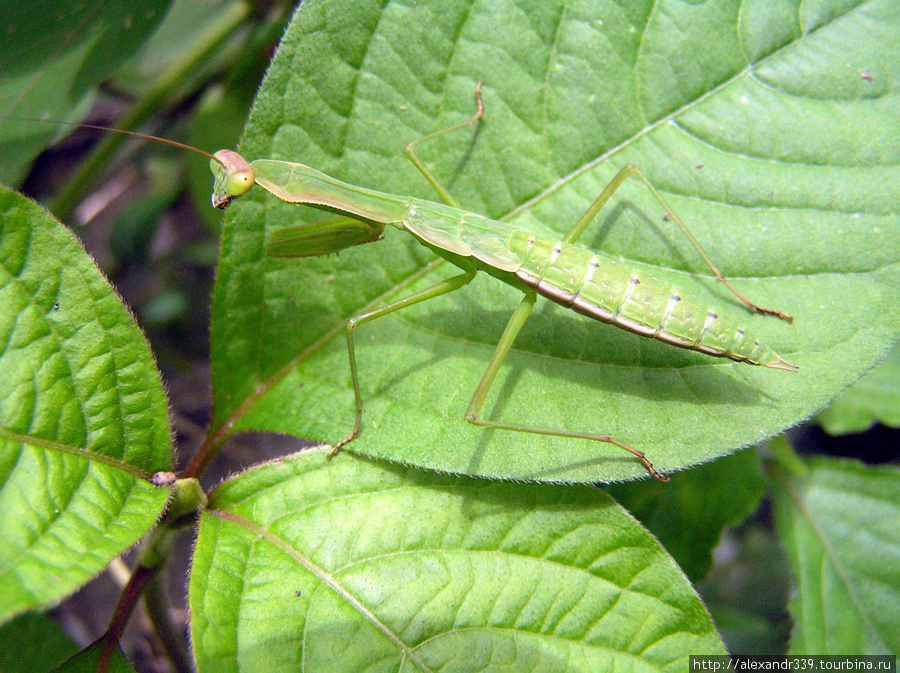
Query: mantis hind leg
[620,177]
[423,169]
[473,413]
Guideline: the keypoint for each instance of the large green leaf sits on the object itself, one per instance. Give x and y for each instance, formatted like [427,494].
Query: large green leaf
[688,515]
[52,55]
[875,398]
[20,637]
[352,564]
[774,133]
[838,523]
[89,661]
[83,418]
[747,590]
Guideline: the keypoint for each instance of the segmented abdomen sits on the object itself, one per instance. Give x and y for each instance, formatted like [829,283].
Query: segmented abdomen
[612,292]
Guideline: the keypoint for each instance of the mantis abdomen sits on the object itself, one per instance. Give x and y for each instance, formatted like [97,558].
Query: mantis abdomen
[588,282]
[609,291]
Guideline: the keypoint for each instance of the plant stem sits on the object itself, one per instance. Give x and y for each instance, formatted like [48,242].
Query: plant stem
[127,602]
[156,600]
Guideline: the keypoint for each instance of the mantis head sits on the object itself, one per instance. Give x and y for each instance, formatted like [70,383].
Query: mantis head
[234,177]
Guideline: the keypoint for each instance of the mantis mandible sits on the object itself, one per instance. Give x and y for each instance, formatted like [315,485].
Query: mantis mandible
[562,271]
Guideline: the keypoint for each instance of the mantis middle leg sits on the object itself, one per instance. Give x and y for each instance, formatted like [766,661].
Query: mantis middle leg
[443,287]
[413,155]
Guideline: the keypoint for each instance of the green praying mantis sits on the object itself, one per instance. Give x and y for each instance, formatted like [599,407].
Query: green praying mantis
[563,271]
[590,283]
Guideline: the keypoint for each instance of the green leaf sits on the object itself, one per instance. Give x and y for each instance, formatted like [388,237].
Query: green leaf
[88,661]
[52,56]
[352,564]
[21,636]
[747,590]
[838,523]
[83,418]
[186,24]
[688,515]
[875,398]
[774,135]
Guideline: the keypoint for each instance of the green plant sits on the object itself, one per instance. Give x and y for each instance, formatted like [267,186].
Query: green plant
[772,132]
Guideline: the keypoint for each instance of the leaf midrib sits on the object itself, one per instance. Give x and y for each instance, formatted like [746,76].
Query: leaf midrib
[800,504]
[78,451]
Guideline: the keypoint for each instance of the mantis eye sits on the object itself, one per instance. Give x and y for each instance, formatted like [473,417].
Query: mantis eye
[239,183]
